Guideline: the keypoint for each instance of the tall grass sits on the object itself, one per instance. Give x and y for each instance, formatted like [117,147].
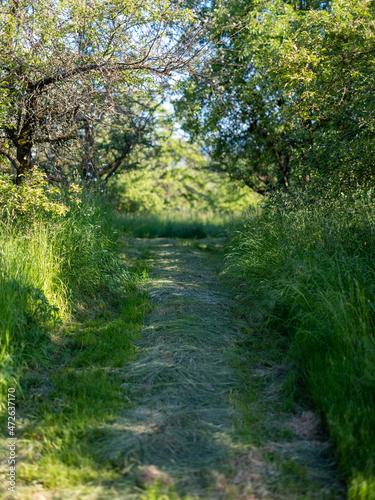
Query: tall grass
[46,269]
[32,297]
[310,268]
[87,242]
[70,312]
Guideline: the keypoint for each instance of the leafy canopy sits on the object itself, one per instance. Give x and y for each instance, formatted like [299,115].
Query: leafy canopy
[288,83]
[63,62]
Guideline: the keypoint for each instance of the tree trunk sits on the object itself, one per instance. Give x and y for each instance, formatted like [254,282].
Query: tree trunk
[283,168]
[24,159]
[89,171]
[23,143]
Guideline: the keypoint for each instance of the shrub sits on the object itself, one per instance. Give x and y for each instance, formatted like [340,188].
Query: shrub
[32,200]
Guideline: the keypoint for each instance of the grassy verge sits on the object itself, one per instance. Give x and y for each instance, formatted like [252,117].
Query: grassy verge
[46,270]
[71,308]
[66,403]
[310,270]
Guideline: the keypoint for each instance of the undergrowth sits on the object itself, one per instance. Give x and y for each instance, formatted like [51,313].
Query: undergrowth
[309,267]
[71,307]
[47,267]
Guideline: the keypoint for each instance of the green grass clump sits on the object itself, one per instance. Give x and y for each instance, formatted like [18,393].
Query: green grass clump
[32,298]
[175,224]
[88,245]
[310,268]
[48,269]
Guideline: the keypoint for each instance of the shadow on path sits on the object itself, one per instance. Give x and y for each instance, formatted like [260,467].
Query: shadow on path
[180,383]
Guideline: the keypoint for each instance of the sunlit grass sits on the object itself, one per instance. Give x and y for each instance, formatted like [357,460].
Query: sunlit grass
[46,270]
[71,307]
[32,299]
[310,270]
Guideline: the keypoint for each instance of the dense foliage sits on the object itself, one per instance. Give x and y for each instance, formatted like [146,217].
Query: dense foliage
[173,175]
[289,83]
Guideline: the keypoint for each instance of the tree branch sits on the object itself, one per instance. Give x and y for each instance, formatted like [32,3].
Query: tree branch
[58,138]
[5,152]
[120,66]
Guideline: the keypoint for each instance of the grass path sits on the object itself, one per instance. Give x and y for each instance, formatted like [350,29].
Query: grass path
[203,413]
[188,427]
[182,379]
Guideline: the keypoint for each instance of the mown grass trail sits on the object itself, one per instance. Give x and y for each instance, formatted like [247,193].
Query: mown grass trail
[203,413]
[199,421]
[181,379]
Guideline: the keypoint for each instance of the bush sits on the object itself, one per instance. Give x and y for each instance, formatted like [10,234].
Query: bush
[33,200]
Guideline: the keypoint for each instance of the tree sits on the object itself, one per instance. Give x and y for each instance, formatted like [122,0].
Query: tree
[293,83]
[303,72]
[172,174]
[134,127]
[62,64]
[233,110]
[325,60]
[105,144]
